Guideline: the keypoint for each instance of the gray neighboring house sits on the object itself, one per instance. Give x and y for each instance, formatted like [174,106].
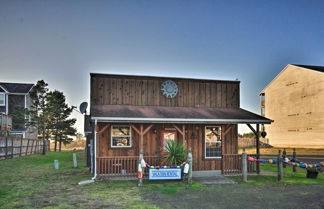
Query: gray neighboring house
[12,95]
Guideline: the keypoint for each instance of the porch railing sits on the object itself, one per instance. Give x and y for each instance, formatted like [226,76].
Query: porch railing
[122,166]
[232,164]
[126,166]
[117,166]
[5,122]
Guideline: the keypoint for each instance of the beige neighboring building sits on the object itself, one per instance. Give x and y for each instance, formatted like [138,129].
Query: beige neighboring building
[294,99]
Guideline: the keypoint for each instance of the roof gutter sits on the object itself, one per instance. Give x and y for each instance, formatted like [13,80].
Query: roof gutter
[180,120]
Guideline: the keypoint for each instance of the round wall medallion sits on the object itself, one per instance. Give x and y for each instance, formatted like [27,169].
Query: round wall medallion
[169,89]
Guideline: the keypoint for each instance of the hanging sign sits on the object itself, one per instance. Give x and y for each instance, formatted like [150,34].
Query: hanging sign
[165,174]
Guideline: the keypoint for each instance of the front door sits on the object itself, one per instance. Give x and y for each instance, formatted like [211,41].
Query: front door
[167,136]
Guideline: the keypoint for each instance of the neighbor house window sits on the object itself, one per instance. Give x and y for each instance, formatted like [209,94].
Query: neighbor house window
[213,142]
[168,136]
[2,99]
[121,136]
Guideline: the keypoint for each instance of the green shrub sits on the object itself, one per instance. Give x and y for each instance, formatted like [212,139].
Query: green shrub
[177,153]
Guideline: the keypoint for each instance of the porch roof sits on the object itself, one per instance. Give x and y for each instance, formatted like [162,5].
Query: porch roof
[164,114]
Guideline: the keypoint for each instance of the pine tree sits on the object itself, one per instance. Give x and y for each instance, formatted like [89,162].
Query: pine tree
[38,113]
[62,127]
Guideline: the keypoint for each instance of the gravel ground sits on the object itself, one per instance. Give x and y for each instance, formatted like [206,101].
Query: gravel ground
[242,196]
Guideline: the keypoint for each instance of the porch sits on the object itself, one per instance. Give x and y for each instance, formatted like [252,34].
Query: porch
[209,134]
[126,166]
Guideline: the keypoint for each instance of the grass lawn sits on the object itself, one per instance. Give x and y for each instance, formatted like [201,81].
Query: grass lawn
[290,177]
[31,182]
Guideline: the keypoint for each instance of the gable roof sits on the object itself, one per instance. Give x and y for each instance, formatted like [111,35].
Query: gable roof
[22,88]
[306,67]
[312,67]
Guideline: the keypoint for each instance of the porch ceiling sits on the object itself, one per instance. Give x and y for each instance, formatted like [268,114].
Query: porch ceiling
[164,114]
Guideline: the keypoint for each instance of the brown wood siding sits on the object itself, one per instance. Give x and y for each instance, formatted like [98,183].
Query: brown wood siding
[152,143]
[128,90]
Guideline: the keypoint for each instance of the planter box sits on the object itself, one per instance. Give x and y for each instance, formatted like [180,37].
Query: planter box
[312,173]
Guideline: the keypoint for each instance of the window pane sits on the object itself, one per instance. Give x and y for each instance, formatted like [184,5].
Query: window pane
[213,149]
[168,136]
[121,130]
[121,136]
[121,141]
[2,99]
[213,146]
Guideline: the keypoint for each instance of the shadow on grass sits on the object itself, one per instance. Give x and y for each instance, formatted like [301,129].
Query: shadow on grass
[290,177]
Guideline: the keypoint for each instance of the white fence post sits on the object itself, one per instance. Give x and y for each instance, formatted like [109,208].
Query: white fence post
[75,163]
[244,167]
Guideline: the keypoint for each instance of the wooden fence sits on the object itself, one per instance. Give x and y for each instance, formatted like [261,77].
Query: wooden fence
[16,147]
[232,164]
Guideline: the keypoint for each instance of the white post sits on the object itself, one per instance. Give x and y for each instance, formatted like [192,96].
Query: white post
[75,163]
[189,160]
[140,180]
[244,167]
[95,150]
[56,164]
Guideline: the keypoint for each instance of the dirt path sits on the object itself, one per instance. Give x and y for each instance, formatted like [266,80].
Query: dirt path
[241,196]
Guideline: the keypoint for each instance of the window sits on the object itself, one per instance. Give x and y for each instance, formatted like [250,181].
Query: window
[2,99]
[121,136]
[213,142]
[262,99]
[168,135]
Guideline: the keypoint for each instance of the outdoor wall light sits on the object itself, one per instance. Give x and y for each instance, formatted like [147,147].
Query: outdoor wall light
[193,136]
[154,131]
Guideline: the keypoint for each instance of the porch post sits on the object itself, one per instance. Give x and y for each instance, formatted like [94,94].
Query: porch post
[257,148]
[141,140]
[189,161]
[141,133]
[256,133]
[95,150]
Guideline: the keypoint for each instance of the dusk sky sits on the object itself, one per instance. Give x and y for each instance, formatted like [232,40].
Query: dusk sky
[63,41]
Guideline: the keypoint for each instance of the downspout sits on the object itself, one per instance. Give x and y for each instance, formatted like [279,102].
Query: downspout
[93,179]
[95,151]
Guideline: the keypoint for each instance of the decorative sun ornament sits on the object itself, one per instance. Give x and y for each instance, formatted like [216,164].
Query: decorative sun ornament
[169,89]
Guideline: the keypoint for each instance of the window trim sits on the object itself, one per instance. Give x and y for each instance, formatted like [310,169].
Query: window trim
[111,137]
[162,138]
[217,157]
[4,99]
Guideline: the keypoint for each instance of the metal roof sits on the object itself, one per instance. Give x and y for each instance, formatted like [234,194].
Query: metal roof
[164,114]
[21,88]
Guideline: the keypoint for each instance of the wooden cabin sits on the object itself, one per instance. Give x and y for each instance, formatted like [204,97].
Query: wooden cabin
[136,115]
[294,99]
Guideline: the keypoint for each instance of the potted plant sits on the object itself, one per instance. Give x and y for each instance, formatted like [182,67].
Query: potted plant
[176,153]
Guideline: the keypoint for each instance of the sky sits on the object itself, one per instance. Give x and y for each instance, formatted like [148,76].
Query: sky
[63,41]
